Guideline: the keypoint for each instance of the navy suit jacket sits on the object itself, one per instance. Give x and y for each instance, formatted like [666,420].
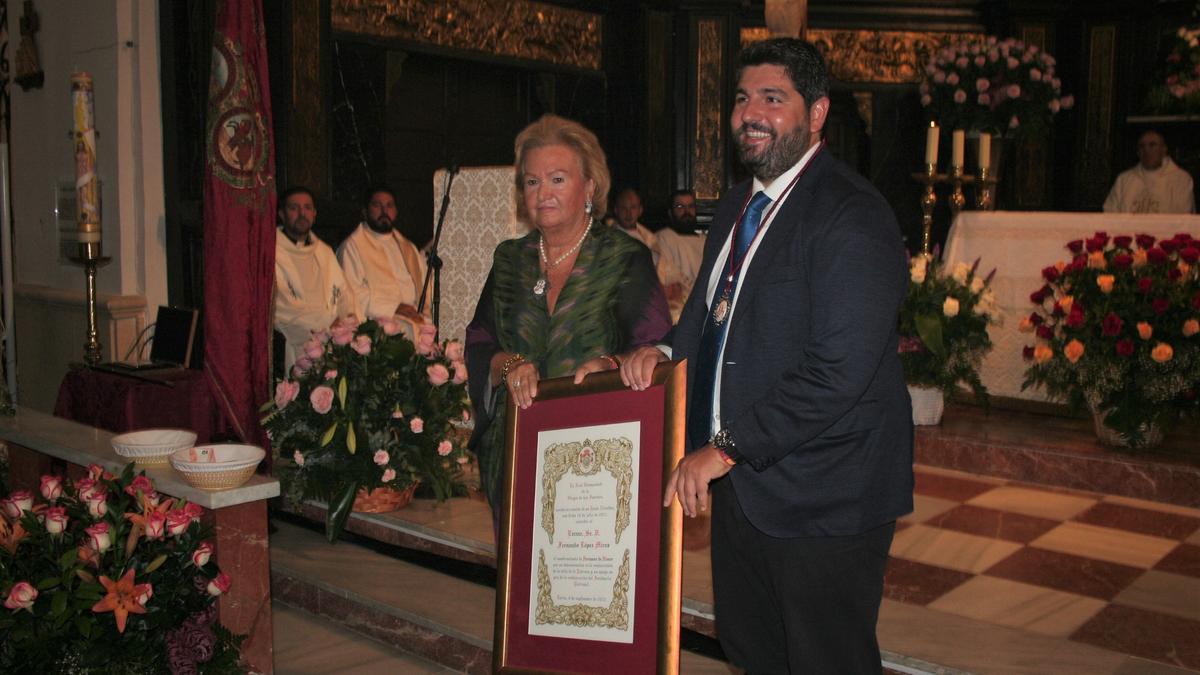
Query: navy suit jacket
[812,389]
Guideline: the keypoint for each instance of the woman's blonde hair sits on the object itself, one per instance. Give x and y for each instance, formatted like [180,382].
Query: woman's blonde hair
[555,130]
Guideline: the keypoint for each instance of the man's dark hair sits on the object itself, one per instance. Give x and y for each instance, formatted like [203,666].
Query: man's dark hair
[681,192]
[799,58]
[296,190]
[374,190]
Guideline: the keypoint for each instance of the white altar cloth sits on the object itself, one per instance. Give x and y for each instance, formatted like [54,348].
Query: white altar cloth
[1018,244]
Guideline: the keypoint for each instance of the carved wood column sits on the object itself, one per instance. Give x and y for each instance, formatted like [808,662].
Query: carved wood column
[302,145]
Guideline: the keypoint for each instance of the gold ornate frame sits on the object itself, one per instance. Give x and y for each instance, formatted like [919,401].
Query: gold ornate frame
[671,377]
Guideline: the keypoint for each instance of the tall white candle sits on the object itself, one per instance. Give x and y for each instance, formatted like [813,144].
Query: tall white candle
[931,143]
[985,151]
[958,139]
[87,185]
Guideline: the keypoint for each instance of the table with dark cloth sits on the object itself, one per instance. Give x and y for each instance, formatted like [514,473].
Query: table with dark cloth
[121,403]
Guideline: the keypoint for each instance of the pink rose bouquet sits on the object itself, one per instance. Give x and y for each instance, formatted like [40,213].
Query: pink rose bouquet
[999,86]
[369,409]
[1176,88]
[96,573]
[1116,326]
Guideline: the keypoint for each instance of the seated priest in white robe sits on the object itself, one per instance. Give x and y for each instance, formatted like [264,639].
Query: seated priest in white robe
[310,289]
[385,270]
[1155,185]
[628,208]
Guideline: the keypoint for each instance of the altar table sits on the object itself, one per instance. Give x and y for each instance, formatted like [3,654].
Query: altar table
[1018,244]
[173,398]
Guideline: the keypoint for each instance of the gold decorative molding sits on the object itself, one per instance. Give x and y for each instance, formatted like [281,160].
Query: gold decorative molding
[880,56]
[533,31]
[709,133]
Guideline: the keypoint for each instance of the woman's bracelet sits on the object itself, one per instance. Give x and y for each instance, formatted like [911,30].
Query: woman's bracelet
[613,360]
[511,361]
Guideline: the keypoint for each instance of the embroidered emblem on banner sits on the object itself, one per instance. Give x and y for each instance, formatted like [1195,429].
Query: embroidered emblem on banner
[237,134]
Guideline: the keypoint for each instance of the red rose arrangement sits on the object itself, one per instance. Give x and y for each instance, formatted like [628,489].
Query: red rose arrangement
[1118,328]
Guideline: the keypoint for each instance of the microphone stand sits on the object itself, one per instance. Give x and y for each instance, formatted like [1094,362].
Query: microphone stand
[435,262]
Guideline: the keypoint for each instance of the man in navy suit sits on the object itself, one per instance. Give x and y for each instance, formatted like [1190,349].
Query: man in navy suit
[798,417]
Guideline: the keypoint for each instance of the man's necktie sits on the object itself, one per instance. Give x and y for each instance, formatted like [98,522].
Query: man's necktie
[713,337]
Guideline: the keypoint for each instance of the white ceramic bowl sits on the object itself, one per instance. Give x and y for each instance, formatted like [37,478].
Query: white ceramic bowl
[217,467]
[152,446]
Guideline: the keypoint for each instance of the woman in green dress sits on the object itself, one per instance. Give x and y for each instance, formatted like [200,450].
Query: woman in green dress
[568,298]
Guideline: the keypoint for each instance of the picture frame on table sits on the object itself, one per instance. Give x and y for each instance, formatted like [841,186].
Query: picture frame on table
[588,561]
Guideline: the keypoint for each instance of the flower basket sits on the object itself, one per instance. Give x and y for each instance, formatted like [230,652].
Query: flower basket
[999,86]
[1118,329]
[383,499]
[928,403]
[365,408]
[104,575]
[943,328]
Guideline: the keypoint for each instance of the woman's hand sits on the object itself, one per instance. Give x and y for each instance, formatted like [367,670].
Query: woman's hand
[596,365]
[522,384]
[637,367]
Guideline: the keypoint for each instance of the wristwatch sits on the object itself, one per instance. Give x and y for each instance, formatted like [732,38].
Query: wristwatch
[723,442]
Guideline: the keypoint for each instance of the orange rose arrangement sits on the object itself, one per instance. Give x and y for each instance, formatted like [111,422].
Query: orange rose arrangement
[1118,328]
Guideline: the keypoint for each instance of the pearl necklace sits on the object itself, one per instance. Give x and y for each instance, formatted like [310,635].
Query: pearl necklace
[542,285]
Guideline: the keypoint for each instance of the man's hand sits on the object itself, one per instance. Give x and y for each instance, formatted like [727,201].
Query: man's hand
[689,481]
[637,367]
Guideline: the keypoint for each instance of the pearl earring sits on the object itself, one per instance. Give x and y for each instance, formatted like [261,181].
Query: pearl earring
[587,207]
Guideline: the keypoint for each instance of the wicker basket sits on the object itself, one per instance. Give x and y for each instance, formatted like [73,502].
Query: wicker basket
[152,447]
[218,480]
[384,499]
[927,405]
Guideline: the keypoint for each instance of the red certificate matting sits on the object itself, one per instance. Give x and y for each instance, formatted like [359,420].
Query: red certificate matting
[653,605]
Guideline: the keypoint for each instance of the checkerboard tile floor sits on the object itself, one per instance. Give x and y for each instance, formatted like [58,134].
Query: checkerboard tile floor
[1112,572]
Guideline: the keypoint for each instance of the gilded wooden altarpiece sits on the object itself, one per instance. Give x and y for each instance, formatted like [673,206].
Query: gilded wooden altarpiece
[526,30]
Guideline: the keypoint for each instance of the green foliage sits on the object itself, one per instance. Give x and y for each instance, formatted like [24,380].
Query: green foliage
[64,629]
[1118,329]
[363,411]
[943,325]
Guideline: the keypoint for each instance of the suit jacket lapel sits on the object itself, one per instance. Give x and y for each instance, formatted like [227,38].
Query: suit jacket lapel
[787,224]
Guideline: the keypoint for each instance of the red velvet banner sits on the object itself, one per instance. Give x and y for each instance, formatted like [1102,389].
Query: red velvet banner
[239,212]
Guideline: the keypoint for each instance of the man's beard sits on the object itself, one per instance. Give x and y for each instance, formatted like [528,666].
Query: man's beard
[685,224]
[380,225]
[780,154]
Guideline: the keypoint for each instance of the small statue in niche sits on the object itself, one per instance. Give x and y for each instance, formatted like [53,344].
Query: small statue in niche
[29,71]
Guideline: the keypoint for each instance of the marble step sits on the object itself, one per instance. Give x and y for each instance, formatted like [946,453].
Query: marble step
[436,616]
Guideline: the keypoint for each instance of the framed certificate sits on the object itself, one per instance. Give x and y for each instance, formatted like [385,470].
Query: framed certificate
[589,560]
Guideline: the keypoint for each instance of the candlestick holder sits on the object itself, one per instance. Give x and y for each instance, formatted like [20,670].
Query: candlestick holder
[928,201]
[957,199]
[89,256]
[984,197]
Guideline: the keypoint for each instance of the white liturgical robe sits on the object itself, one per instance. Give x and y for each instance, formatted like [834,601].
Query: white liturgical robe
[1167,189]
[310,291]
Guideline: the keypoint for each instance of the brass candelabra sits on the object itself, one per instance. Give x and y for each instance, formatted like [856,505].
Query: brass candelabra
[91,259]
[984,199]
[957,199]
[928,201]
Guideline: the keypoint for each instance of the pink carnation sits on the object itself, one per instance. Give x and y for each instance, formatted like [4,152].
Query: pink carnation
[314,349]
[454,350]
[983,99]
[952,79]
[362,344]
[331,374]
[286,392]
[460,372]
[321,399]
[445,448]
[1014,91]
[438,375]
[417,425]
[982,84]
[389,475]
[960,96]
[342,336]
[381,457]
[389,325]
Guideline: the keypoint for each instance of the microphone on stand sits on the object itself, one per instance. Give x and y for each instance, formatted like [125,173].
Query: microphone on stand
[435,262]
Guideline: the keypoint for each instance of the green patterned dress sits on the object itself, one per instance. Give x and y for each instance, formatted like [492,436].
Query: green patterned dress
[611,303]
